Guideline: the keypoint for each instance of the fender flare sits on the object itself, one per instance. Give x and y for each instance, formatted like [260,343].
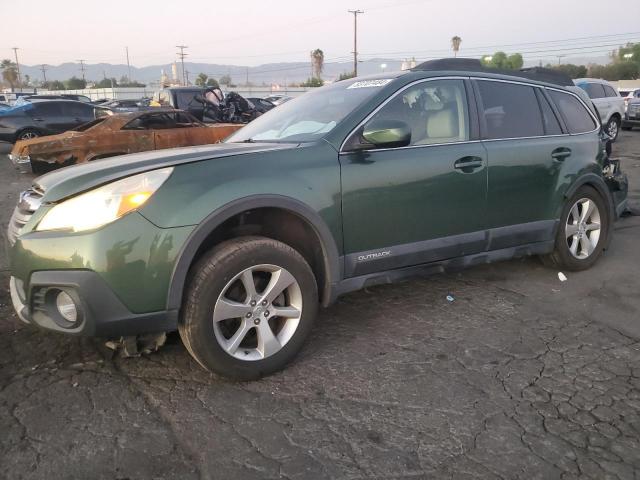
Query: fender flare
[598,183]
[190,248]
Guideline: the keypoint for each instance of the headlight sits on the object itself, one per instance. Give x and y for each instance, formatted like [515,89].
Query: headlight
[104,204]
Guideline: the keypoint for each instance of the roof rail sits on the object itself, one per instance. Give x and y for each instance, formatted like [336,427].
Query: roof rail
[539,74]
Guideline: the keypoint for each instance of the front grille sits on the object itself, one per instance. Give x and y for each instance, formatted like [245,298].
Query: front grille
[30,201]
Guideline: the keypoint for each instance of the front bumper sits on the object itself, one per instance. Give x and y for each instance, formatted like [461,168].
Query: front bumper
[100,312]
[21,162]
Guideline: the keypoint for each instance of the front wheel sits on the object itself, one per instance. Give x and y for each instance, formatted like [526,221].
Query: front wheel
[27,134]
[250,304]
[613,128]
[583,231]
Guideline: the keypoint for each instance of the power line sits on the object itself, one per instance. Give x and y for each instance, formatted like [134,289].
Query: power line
[182,55]
[355,40]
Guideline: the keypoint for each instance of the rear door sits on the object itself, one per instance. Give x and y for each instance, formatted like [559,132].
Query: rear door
[48,117]
[526,150]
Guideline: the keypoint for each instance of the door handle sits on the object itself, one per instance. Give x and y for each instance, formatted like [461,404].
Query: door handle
[38,119]
[468,164]
[561,153]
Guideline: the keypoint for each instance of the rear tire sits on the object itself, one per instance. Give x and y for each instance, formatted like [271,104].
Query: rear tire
[582,233]
[613,128]
[249,306]
[27,134]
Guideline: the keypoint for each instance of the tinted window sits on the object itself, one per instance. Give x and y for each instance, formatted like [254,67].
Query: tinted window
[551,124]
[187,100]
[594,90]
[49,109]
[510,110]
[610,91]
[435,111]
[77,110]
[575,114]
[156,121]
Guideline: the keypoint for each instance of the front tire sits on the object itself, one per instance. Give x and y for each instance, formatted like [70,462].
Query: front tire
[250,304]
[582,233]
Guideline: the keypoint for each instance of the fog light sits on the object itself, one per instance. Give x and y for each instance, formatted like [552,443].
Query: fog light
[66,307]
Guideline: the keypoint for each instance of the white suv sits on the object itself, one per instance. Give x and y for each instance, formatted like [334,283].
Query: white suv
[609,103]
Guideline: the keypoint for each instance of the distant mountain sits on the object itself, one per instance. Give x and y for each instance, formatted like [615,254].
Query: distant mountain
[286,72]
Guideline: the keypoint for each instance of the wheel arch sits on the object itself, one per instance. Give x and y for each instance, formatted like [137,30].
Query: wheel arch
[201,239]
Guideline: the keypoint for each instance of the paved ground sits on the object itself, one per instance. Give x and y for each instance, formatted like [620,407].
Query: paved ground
[522,376]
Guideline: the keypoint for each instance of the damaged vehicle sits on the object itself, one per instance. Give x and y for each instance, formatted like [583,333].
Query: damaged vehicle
[362,182]
[117,135]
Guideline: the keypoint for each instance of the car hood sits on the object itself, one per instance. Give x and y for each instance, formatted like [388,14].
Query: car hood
[40,144]
[76,179]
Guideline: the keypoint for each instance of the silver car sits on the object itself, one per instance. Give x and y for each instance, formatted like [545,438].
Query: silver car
[607,100]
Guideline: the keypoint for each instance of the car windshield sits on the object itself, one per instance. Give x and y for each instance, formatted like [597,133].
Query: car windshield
[89,125]
[310,116]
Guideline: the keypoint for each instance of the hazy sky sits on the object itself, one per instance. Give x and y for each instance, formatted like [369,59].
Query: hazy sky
[254,32]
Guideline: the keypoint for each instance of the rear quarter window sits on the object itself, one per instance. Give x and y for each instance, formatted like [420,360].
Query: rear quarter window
[575,114]
[610,91]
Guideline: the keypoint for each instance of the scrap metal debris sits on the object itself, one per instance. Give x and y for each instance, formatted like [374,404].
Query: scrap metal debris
[562,277]
[134,346]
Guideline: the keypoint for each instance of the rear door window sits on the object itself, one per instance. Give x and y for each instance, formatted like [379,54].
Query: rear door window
[575,114]
[510,110]
[47,109]
[551,124]
[594,90]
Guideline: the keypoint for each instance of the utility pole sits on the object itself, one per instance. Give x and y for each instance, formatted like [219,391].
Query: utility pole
[355,40]
[187,76]
[82,69]
[43,69]
[128,65]
[182,55]
[15,51]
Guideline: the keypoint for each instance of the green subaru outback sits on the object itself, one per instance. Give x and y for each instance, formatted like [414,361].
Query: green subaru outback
[362,182]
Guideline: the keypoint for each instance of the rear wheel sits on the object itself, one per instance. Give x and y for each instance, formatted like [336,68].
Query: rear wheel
[613,128]
[251,303]
[27,134]
[583,231]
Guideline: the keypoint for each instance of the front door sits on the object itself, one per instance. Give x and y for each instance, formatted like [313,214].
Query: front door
[422,202]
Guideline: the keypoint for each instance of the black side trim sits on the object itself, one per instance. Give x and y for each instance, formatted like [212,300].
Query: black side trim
[415,253]
[215,219]
[520,234]
[104,314]
[454,264]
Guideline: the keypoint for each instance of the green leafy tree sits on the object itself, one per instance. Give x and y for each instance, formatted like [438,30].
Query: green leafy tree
[345,76]
[9,73]
[75,83]
[629,53]
[312,82]
[107,83]
[201,79]
[56,85]
[225,80]
[574,71]
[503,61]
[615,71]
[212,82]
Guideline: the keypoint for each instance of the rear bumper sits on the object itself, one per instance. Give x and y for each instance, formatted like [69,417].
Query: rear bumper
[100,312]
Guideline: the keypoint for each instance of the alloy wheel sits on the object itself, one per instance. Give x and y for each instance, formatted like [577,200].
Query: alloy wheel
[613,129]
[583,228]
[28,135]
[257,312]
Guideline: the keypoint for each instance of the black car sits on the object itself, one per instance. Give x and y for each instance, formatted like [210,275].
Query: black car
[127,105]
[262,105]
[182,98]
[44,117]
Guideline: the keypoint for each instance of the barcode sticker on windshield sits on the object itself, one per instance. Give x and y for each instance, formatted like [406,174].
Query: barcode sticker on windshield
[370,83]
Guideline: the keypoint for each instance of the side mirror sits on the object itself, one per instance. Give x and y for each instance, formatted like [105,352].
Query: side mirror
[387,133]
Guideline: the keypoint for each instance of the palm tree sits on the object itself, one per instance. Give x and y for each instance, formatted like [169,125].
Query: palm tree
[317,62]
[9,72]
[455,44]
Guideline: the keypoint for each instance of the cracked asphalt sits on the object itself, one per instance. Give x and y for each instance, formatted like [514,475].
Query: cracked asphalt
[521,376]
